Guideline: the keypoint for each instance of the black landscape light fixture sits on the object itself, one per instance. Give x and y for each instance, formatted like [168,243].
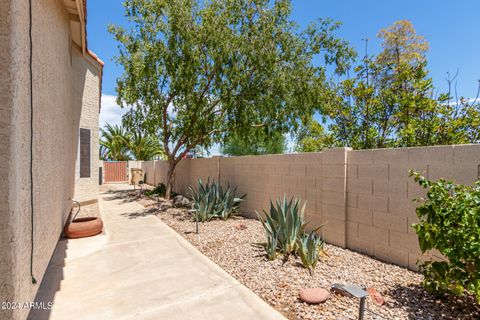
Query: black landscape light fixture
[352,291]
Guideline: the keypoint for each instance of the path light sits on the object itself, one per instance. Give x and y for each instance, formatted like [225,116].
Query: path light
[352,291]
[194,211]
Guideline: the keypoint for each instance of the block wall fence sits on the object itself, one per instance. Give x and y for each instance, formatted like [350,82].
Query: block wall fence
[364,198]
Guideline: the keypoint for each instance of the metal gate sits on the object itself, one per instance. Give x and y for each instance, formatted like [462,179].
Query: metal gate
[115,171]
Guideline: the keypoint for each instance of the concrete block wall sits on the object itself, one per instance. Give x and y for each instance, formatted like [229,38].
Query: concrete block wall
[148,168]
[379,192]
[363,198]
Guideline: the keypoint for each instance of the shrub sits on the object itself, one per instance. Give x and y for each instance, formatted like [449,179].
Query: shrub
[450,223]
[284,227]
[211,201]
[159,190]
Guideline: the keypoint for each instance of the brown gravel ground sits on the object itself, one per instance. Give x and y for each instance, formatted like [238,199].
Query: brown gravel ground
[278,282]
[88,210]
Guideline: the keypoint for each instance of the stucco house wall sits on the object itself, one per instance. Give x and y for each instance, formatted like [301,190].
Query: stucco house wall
[86,93]
[66,84]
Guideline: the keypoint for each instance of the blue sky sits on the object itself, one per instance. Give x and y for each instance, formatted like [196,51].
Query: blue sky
[451,27]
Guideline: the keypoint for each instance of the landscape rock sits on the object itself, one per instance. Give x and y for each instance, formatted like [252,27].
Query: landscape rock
[314,295]
[241,226]
[376,296]
[180,201]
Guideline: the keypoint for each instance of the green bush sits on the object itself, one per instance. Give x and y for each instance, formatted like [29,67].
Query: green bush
[284,228]
[211,201]
[450,223]
[159,190]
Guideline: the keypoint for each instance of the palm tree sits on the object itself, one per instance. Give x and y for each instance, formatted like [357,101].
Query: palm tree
[114,143]
[145,147]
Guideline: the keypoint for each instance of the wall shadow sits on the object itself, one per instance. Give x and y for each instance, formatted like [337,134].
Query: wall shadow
[51,282]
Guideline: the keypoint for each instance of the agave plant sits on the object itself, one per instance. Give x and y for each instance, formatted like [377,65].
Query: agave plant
[211,201]
[286,223]
[310,247]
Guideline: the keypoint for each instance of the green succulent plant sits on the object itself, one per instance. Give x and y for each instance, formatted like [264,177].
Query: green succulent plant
[284,222]
[284,227]
[310,248]
[210,201]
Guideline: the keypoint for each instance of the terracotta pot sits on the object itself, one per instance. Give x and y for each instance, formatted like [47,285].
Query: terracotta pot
[83,227]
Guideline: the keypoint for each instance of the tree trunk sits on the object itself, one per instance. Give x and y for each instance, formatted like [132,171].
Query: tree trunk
[171,170]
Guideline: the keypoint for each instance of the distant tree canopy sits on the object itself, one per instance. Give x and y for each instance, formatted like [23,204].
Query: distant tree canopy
[390,102]
[258,141]
[117,143]
[197,72]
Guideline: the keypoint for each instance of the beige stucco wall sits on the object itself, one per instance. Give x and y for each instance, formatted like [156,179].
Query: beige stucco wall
[85,84]
[364,198]
[57,116]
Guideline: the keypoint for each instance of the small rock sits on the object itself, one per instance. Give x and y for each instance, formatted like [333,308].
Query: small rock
[376,296]
[180,201]
[241,226]
[314,295]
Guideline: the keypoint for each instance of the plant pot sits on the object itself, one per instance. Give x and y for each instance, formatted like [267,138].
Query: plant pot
[83,227]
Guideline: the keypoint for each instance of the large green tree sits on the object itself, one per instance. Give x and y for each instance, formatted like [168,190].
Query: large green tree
[199,71]
[144,146]
[256,142]
[312,137]
[119,144]
[114,143]
[390,101]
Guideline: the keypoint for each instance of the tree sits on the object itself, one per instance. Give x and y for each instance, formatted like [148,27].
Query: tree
[402,45]
[114,143]
[119,144]
[255,143]
[199,71]
[313,138]
[390,101]
[144,146]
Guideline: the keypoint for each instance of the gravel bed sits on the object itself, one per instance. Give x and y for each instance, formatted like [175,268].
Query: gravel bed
[88,210]
[230,244]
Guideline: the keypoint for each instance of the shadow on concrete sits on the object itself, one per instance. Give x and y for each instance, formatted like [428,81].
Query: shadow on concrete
[140,214]
[422,305]
[124,195]
[51,281]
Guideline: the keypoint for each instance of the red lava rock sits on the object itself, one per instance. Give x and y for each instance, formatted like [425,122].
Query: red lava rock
[241,226]
[314,295]
[376,296]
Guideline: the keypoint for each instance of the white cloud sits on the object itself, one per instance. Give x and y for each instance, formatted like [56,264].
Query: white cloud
[111,112]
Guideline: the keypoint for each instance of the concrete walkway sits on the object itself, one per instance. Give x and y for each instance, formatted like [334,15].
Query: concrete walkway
[141,269]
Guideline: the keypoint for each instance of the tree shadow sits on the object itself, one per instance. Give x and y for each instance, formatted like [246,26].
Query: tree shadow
[420,304]
[141,214]
[124,195]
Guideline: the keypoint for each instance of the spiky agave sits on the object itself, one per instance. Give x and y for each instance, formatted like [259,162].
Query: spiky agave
[284,224]
[210,201]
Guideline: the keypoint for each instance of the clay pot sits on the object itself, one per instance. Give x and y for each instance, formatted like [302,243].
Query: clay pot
[83,227]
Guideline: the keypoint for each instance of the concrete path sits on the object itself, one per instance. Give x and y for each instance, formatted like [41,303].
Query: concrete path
[141,269]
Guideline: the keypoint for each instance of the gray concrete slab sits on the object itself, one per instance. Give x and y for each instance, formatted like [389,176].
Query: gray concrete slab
[139,268]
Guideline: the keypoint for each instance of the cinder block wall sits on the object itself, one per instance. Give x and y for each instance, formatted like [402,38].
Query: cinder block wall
[149,171]
[380,210]
[364,198]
